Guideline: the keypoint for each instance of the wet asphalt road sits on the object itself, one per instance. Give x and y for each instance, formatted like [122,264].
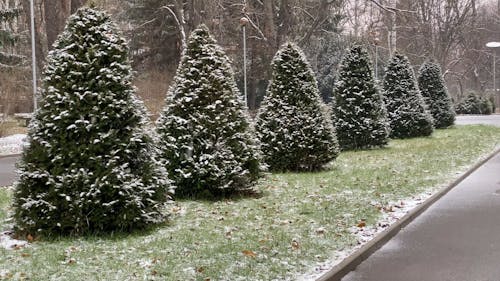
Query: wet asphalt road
[7,166]
[456,239]
[478,119]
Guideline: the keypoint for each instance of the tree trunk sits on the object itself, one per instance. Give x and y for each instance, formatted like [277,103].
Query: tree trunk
[285,22]
[252,94]
[269,25]
[56,13]
[76,4]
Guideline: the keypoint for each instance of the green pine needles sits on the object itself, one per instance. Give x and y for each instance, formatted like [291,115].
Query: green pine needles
[205,135]
[433,88]
[360,114]
[90,165]
[405,105]
[293,125]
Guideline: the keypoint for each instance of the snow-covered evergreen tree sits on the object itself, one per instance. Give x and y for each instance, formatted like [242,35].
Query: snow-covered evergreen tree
[360,114]
[407,113]
[206,138]
[293,125]
[90,165]
[433,89]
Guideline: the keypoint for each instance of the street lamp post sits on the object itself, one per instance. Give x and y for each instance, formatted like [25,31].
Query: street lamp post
[494,45]
[33,54]
[243,22]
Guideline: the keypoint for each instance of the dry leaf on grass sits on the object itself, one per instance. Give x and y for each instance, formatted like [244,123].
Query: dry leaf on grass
[248,253]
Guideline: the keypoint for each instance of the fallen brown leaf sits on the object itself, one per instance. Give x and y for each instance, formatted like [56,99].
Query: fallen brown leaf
[249,253]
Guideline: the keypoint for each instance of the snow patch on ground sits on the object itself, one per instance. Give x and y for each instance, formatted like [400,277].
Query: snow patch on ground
[10,243]
[12,144]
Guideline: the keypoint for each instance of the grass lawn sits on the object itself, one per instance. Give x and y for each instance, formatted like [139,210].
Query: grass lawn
[300,220]
[11,127]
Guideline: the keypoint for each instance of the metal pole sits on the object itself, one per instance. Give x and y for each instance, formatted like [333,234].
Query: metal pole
[33,54]
[245,66]
[494,74]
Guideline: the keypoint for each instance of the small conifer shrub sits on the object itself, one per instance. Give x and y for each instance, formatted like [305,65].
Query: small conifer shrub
[205,136]
[474,104]
[360,115]
[90,165]
[433,89]
[408,116]
[293,125]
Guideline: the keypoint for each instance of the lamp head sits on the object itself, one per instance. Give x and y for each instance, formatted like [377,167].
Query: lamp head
[493,44]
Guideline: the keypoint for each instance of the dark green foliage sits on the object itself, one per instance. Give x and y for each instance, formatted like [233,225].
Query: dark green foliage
[360,114]
[8,37]
[474,104]
[154,37]
[90,165]
[10,41]
[405,105]
[293,125]
[492,102]
[328,52]
[433,89]
[485,105]
[206,139]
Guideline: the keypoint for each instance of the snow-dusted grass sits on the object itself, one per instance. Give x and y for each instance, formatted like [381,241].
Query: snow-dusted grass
[11,127]
[298,222]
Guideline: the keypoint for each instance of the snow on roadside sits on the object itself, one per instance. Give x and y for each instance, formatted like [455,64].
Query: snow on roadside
[12,144]
[390,214]
[10,243]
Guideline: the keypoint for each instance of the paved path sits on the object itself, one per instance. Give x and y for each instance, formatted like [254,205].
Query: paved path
[478,119]
[7,167]
[456,239]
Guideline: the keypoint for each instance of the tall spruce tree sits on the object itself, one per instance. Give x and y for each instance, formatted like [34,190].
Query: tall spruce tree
[408,116]
[435,93]
[9,37]
[205,135]
[90,165]
[293,126]
[360,114]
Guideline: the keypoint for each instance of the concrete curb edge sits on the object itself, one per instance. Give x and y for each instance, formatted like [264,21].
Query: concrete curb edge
[10,155]
[352,261]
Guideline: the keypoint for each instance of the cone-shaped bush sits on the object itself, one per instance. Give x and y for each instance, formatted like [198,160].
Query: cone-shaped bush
[408,116]
[360,114]
[293,125]
[90,165]
[433,89]
[205,136]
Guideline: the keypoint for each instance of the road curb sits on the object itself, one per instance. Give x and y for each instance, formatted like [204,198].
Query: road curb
[351,262]
[10,155]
